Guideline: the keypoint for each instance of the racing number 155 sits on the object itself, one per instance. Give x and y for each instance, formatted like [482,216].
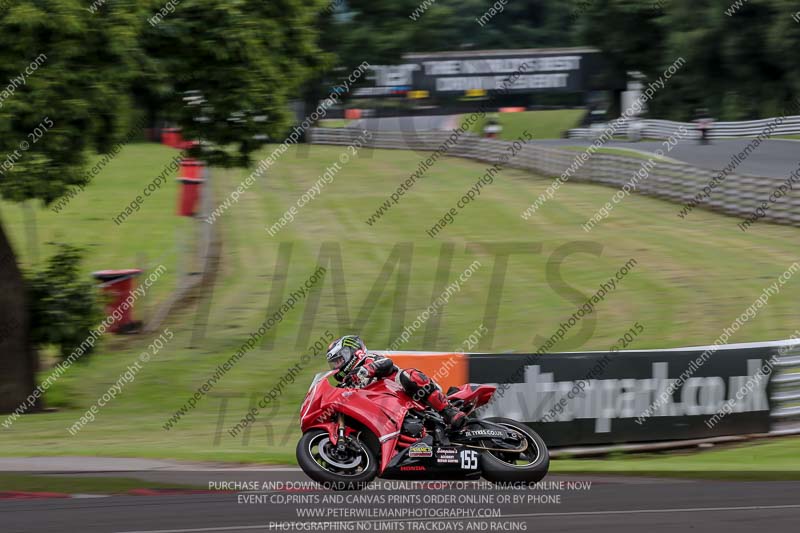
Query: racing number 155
[469,460]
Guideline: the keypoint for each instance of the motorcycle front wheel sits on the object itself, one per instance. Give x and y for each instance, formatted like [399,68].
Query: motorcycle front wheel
[529,466]
[349,469]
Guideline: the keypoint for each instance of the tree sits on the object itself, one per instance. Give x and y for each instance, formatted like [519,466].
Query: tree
[629,32]
[62,303]
[246,59]
[740,60]
[381,32]
[67,79]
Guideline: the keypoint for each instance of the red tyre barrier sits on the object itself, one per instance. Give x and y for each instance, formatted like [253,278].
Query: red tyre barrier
[171,137]
[118,285]
[189,196]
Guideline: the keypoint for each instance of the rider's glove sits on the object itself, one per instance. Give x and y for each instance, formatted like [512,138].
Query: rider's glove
[362,377]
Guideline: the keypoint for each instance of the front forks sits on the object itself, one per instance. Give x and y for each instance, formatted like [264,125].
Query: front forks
[340,442]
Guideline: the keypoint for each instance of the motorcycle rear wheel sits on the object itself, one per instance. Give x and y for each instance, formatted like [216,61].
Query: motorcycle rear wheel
[530,466]
[323,463]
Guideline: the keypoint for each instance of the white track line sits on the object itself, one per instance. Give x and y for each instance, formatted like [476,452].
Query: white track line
[526,515]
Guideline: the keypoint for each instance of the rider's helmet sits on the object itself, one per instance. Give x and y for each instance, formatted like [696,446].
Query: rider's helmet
[345,353]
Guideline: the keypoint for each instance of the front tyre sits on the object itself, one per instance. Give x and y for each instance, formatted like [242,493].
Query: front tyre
[349,469]
[529,466]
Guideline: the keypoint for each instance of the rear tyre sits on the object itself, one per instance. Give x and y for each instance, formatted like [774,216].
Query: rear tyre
[325,464]
[529,466]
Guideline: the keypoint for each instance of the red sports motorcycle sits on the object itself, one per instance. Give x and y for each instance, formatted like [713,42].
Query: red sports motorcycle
[351,435]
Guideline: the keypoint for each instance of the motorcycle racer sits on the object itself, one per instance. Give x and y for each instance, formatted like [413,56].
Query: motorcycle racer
[356,367]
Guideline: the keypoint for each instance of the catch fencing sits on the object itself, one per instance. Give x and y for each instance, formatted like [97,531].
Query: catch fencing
[677,182]
[664,129]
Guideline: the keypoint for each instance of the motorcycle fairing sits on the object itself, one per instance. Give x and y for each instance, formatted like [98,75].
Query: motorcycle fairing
[440,462]
[472,393]
[323,400]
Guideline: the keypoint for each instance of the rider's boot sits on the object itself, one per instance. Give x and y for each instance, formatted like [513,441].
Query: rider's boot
[454,417]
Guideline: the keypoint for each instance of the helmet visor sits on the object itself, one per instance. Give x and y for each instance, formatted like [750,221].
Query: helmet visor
[336,362]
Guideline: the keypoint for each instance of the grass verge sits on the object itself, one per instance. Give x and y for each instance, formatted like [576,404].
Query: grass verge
[633,154]
[768,460]
[693,278]
[70,484]
[550,124]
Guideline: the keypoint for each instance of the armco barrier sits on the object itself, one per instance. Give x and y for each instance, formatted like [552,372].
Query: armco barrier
[590,398]
[663,129]
[786,389]
[677,182]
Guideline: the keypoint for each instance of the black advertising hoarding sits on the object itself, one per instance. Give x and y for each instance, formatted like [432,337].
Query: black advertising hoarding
[536,72]
[450,73]
[603,398]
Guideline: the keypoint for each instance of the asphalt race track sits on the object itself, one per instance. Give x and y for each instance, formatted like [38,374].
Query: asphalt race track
[565,503]
[612,504]
[772,158]
[409,125]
